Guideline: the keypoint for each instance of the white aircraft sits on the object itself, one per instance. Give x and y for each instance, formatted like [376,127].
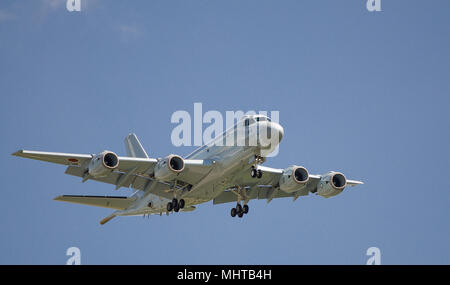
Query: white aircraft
[216,171]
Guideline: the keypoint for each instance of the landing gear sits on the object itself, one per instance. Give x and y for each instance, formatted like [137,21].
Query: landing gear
[255,173]
[239,211]
[174,202]
[181,203]
[175,205]
[233,212]
[259,173]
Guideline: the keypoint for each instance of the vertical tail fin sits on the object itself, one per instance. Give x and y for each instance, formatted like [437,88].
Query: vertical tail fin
[134,147]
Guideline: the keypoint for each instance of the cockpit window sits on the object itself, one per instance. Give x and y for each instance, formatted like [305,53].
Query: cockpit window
[249,121]
[261,119]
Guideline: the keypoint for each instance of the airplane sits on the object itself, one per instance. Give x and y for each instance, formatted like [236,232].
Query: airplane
[221,173]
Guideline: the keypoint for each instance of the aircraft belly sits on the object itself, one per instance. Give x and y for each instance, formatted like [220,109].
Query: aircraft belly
[229,162]
[217,181]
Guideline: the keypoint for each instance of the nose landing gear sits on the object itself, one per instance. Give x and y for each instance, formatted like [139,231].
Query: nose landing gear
[255,173]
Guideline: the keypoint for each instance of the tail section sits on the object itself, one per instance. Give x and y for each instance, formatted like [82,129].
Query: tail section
[107,219]
[134,147]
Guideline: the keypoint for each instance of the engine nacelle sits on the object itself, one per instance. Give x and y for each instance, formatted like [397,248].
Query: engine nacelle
[293,178]
[331,184]
[168,168]
[103,163]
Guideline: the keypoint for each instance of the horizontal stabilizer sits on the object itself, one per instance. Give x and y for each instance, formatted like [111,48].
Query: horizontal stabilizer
[111,202]
[107,219]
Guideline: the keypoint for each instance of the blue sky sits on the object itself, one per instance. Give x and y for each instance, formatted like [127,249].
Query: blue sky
[363,93]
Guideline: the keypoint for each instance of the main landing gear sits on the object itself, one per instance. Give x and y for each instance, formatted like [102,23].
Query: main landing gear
[255,173]
[175,205]
[239,210]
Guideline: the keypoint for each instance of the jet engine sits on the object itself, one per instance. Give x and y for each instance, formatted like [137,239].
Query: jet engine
[293,178]
[331,184]
[167,168]
[103,163]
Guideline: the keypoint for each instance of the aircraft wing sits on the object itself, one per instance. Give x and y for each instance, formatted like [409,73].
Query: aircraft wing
[272,175]
[267,187]
[125,163]
[135,172]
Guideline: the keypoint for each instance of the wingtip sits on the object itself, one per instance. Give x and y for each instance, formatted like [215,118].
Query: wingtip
[58,198]
[17,153]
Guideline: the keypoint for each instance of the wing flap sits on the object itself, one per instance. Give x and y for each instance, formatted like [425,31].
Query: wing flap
[195,170]
[79,172]
[261,193]
[134,181]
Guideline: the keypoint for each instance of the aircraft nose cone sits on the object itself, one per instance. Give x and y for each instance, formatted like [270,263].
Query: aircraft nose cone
[280,132]
[278,129]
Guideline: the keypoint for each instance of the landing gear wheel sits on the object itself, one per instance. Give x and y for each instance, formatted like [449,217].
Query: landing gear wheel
[240,214]
[254,173]
[233,212]
[259,174]
[177,208]
[181,203]
[174,202]
[239,208]
[169,206]
[245,209]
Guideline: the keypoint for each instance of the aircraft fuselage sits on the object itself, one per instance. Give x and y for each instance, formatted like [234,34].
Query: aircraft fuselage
[229,158]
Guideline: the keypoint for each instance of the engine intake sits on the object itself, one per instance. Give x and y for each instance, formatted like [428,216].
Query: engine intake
[169,167]
[110,160]
[338,181]
[293,178]
[331,184]
[176,163]
[301,175]
[103,163]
